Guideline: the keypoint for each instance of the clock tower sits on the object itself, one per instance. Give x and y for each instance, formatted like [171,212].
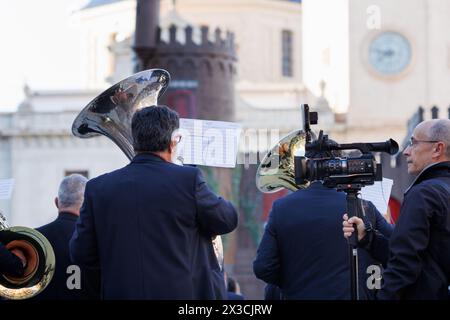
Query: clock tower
[381,59]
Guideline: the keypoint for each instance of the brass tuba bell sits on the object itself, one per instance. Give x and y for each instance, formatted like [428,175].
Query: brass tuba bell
[276,170]
[111,112]
[40,262]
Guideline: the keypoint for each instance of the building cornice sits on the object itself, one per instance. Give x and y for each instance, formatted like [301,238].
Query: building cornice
[233,4]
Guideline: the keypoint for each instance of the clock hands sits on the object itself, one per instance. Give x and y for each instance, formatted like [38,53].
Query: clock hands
[387,53]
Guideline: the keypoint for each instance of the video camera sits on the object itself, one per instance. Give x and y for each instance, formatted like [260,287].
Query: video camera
[345,174]
[336,172]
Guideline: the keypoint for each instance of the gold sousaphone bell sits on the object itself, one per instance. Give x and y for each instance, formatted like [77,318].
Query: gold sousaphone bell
[276,170]
[111,112]
[40,262]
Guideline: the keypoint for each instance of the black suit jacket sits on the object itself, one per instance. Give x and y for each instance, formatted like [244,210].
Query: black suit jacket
[149,227]
[303,250]
[59,233]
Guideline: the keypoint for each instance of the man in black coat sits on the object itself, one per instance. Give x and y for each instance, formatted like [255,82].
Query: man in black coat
[69,282]
[419,249]
[149,225]
[302,251]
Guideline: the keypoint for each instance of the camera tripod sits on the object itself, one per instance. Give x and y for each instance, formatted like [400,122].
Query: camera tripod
[354,208]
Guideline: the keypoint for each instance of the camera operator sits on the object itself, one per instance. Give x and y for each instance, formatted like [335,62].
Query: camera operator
[419,249]
[303,253]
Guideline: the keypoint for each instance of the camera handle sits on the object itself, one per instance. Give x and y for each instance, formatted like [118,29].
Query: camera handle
[354,208]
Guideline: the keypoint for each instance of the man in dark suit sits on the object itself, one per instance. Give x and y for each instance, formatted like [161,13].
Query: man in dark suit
[418,253]
[149,225]
[302,251]
[59,232]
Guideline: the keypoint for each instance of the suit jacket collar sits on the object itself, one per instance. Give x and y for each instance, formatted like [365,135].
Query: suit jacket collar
[67,216]
[434,170]
[145,157]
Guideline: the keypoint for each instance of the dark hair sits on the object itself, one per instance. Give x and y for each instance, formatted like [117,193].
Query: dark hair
[152,128]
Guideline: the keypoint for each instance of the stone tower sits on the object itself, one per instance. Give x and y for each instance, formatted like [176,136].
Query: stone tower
[202,70]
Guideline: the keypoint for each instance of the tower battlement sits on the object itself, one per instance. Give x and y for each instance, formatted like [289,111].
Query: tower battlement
[197,42]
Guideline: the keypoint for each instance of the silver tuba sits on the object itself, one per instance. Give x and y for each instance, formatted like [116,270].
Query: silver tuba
[40,262]
[111,112]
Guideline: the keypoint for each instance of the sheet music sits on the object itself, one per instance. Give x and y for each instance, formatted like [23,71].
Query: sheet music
[6,187]
[209,143]
[379,194]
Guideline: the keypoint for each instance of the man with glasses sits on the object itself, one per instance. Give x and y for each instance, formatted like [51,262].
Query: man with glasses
[419,248]
[149,225]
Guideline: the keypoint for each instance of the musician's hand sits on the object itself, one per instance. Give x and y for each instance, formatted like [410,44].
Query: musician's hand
[20,255]
[349,229]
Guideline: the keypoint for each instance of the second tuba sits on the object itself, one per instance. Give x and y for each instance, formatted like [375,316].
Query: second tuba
[40,262]
[276,170]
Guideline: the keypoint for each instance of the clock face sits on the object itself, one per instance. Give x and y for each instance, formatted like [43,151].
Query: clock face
[389,53]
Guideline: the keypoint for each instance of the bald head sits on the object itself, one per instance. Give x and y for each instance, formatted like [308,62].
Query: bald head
[439,130]
[430,143]
[71,193]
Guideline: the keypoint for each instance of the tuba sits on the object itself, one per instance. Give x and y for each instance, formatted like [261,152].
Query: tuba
[276,170]
[40,262]
[111,112]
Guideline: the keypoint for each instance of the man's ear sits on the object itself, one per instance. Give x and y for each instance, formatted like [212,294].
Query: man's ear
[172,146]
[56,202]
[440,149]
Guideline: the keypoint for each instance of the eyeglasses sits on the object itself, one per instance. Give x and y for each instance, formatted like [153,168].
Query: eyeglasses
[177,138]
[413,141]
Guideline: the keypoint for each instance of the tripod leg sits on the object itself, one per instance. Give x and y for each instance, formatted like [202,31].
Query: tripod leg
[354,276]
[353,208]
